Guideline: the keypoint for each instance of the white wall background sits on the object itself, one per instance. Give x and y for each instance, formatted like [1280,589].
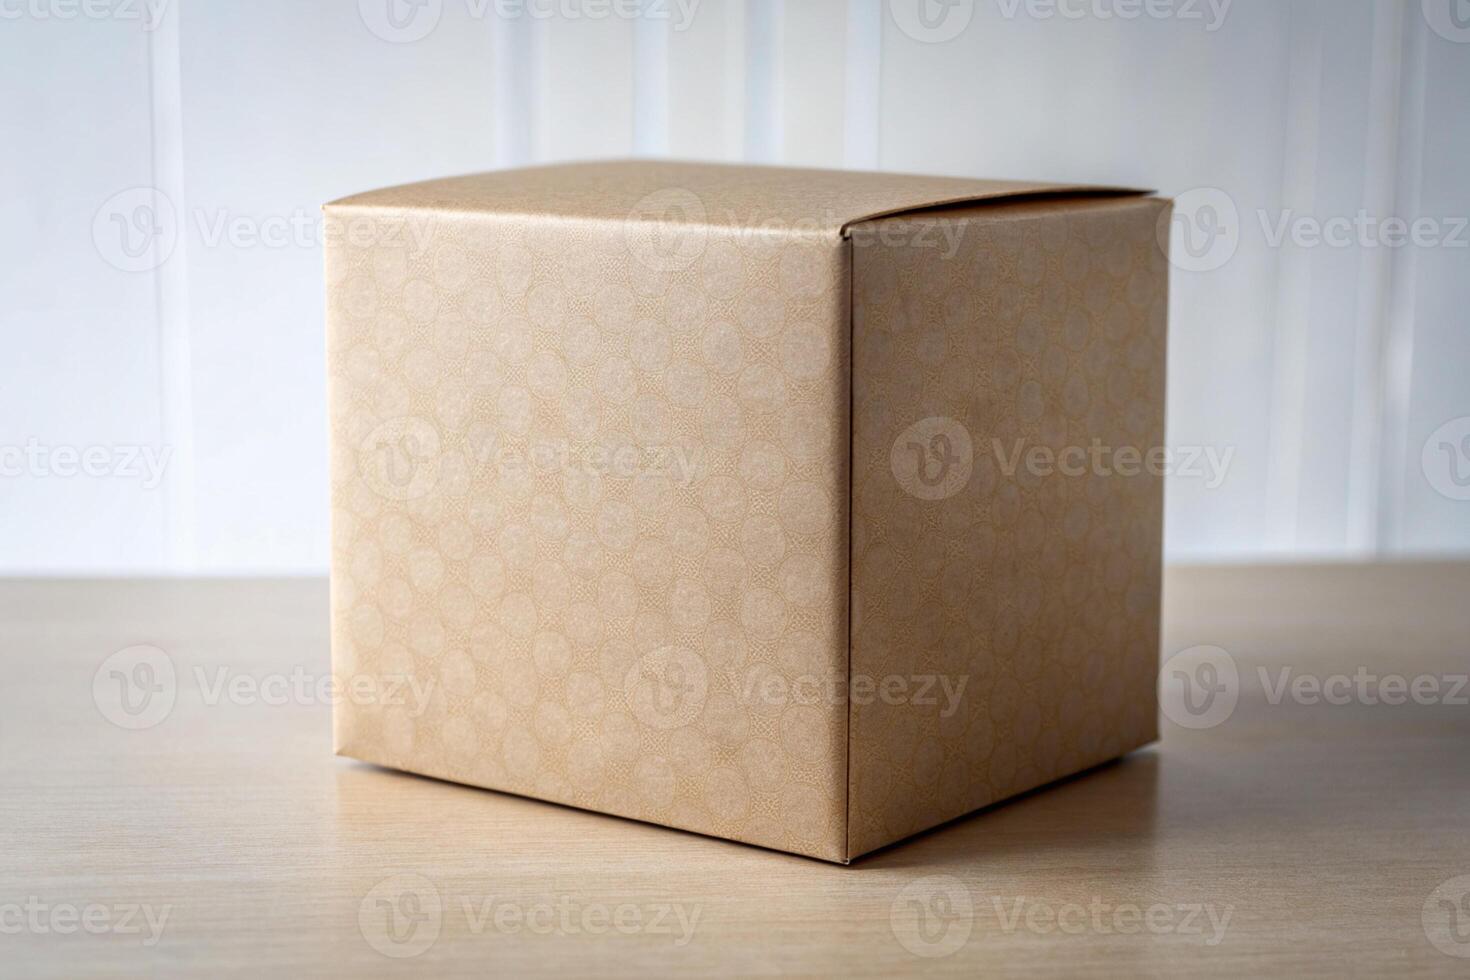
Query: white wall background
[1325,369]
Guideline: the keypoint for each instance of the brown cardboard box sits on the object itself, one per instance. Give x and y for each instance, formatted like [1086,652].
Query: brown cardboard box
[808,509]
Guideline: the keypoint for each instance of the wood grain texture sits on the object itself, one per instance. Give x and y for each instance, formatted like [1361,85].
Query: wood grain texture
[1321,831]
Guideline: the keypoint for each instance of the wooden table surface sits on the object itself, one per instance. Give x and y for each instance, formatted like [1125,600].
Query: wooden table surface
[1290,838]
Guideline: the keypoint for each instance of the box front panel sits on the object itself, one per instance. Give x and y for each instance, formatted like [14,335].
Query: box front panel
[590,506]
[1008,389]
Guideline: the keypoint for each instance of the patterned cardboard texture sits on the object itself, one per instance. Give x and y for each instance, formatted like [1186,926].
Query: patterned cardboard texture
[1040,586]
[638,467]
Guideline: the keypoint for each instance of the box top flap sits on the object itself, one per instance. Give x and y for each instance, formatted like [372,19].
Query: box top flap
[770,199]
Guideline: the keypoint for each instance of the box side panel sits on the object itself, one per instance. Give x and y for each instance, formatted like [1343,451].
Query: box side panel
[589,498]
[1008,380]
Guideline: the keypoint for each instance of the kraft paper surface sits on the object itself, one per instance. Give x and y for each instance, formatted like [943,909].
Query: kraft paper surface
[625,491]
